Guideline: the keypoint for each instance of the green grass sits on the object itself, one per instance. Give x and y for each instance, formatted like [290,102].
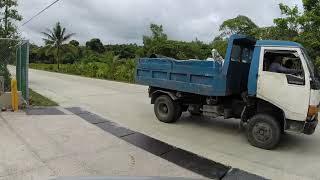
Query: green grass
[37,99]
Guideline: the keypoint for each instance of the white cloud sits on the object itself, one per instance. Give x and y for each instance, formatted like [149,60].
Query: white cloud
[125,21]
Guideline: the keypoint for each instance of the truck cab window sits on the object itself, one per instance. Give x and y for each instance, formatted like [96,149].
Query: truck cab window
[246,56]
[284,62]
[236,53]
[241,54]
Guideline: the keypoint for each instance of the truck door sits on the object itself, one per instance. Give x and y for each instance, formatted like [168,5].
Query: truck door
[289,91]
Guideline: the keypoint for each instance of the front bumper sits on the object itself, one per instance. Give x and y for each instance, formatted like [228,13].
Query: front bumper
[310,125]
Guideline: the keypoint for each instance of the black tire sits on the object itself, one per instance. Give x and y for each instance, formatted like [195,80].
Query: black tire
[263,131]
[166,109]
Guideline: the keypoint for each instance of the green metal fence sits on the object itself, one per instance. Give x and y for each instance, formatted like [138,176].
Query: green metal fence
[14,61]
[22,54]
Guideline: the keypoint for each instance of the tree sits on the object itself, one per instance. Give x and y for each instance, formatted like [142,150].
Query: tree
[74,43]
[287,27]
[153,42]
[95,45]
[311,14]
[269,32]
[124,51]
[310,21]
[158,43]
[239,25]
[157,32]
[8,16]
[303,27]
[55,39]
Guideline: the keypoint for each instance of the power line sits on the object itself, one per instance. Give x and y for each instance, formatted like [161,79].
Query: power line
[40,12]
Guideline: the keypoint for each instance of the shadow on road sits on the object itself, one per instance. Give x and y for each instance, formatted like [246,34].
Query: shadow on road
[216,124]
[290,142]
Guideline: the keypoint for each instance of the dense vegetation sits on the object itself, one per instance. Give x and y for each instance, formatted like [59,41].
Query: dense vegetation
[117,62]
[114,70]
[114,62]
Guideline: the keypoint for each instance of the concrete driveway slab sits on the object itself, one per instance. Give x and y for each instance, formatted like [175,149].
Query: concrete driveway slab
[40,173]
[44,146]
[15,155]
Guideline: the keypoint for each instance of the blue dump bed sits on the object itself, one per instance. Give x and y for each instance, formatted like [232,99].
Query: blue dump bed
[193,76]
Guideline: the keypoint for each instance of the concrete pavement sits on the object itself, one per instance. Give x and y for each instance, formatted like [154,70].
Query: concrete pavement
[217,139]
[46,146]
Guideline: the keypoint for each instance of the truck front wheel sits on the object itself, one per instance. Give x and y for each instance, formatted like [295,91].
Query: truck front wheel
[263,131]
[166,109]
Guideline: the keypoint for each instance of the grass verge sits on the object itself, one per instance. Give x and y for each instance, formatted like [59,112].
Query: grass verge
[37,99]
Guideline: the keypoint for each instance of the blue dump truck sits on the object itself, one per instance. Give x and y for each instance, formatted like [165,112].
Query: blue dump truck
[271,86]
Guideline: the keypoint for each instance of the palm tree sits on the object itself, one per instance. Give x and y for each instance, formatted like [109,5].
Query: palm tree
[55,39]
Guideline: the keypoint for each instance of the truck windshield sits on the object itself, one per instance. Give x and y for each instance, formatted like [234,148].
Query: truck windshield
[311,67]
[315,83]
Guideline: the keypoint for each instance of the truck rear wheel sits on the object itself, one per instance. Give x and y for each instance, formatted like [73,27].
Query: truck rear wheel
[263,131]
[166,109]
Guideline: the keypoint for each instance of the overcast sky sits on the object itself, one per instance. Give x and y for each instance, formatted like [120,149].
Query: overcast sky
[125,21]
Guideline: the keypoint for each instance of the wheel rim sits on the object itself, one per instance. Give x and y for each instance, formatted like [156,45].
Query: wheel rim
[262,132]
[163,109]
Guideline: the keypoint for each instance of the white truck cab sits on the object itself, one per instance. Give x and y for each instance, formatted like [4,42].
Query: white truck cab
[296,94]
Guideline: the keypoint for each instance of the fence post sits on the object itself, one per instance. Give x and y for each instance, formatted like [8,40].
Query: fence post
[14,95]
[18,67]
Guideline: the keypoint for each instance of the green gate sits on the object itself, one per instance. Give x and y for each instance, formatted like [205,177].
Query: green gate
[22,63]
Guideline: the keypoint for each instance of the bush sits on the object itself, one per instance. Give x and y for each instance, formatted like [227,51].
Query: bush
[119,70]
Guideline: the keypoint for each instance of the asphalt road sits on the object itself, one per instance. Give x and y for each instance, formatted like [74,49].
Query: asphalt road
[220,140]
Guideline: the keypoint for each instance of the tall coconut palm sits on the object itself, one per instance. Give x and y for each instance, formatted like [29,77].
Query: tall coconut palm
[55,39]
